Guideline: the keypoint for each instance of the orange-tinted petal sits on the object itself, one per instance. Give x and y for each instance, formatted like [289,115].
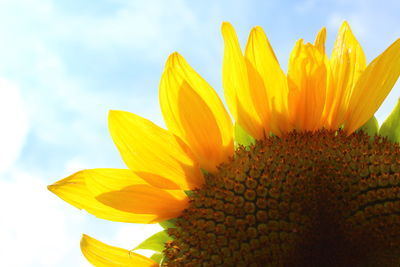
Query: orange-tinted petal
[124,190]
[146,199]
[239,97]
[308,80]
[267,82]
[156,155]
[193,111]
[373,86]
[103,255]
[74,190]
[320,40]
[347,63]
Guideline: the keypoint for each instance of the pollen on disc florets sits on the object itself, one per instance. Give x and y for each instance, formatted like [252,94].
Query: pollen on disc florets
[304,199]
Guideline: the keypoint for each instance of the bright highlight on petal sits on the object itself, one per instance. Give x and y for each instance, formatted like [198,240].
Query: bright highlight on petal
[74,190]
[156,155]
[193,111]
[103,255]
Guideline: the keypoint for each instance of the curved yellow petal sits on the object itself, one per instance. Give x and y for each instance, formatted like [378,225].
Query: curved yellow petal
[102,180]
[193,111]
[103,255]
[268,83]
[373,86]
[239,97]
[124,190]
[320,40]
[74,190]
[156,155]
[347,63]
[146,199]
[308,80]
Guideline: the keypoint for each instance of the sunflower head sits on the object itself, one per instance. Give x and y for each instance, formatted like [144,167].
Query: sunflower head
[304,177]
[303,199]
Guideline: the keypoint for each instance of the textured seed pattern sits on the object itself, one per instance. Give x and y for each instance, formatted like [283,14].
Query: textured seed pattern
[304,199]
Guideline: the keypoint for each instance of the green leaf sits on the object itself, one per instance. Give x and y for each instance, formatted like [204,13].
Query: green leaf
[168,224]
[157,257]
[155,242]
[242,137]
[371,126]
[391,126]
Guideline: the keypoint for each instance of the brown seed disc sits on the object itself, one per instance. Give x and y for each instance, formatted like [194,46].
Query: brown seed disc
[304,199]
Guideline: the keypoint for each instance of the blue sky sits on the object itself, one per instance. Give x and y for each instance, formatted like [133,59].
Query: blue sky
[64,64]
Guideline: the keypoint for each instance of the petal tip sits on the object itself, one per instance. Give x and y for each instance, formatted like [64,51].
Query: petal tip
[115,114]
[51,187]
[225,27]
[345,23]
[256,31]
[85,243]
[173,56]
[112,113]
[84,239]
[225,24]
[173,60]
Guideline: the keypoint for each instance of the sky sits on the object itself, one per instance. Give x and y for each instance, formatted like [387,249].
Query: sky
[64,64]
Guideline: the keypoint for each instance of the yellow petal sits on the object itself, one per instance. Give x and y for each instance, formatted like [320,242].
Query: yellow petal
[320,40]
[347,63]
[156,155]
[124,190]
[74,190]
[103,180]
[103,255]
[307,78]
[373,86]
[193,111]
[267,82]
[146,199]
[236,85]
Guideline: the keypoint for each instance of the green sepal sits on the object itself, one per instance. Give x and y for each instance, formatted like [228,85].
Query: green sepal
[155,242]
[157,257]
[168,224]
[391,126]
[189,193]
[242,137]
[371,126]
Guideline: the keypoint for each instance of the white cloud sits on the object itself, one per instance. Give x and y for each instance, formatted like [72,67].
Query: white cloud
[151,28]
[35,228]
[14,124]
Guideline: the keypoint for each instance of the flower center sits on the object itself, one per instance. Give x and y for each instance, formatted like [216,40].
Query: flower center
[304,199]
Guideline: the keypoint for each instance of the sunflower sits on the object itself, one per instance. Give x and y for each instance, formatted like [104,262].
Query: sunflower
[304,177]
